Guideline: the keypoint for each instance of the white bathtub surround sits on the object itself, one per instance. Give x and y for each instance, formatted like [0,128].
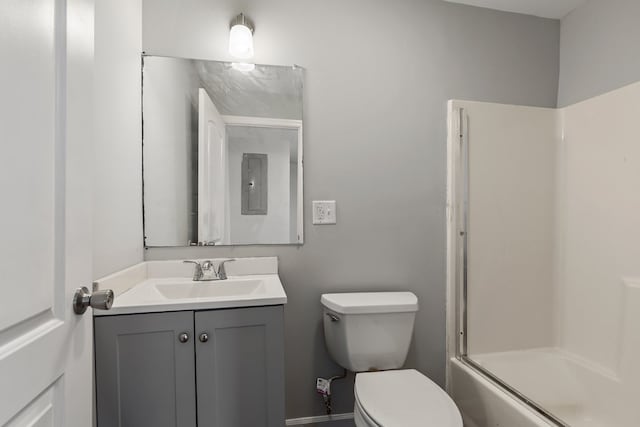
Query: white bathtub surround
[511,203]
[553,296]
[155,286]
[597,223]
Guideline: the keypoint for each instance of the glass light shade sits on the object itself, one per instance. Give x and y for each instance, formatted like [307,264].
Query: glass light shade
[241,42]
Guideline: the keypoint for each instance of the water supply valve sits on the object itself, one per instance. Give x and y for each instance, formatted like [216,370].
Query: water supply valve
[323,386]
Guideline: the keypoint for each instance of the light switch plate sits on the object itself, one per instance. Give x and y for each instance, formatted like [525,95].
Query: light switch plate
[324,212]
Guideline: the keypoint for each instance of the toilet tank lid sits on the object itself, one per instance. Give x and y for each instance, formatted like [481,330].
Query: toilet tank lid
[370,302]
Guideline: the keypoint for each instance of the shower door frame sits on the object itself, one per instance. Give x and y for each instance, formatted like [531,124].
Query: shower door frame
[457,254]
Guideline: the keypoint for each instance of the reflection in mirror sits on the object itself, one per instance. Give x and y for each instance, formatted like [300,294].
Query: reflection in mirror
[222,153]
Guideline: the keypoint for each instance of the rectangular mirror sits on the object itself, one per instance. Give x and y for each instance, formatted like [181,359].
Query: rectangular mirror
[222,153]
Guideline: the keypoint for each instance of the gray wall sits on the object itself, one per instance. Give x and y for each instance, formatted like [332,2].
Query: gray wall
[378,75]
[170,100]
[117,184]
[599,49]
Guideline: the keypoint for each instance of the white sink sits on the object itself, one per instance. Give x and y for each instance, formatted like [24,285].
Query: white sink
[213,289]
[155,286]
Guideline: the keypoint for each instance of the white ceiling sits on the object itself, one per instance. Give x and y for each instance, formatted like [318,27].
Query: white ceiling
[555,9]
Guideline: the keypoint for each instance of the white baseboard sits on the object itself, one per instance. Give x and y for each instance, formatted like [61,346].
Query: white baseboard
[318,419]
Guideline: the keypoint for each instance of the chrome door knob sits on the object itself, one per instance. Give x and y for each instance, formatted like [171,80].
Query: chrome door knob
[183,337]
[100,300]
[204,337]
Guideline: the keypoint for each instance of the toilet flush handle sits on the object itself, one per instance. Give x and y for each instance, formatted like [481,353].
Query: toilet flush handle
[333,317]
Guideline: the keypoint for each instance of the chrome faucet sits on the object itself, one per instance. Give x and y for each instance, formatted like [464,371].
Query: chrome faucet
[203,271]
[206,271]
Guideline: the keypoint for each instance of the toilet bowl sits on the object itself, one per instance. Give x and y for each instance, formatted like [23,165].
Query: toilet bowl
[402,398]
[369,333]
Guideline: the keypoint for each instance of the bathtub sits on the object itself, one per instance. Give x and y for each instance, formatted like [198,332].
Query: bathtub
[550,289]
[576,392]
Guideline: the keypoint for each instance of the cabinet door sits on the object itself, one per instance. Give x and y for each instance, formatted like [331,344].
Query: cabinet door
[145,376]
[240,367]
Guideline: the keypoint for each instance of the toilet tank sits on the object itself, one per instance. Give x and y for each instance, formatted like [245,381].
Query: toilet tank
[369,331]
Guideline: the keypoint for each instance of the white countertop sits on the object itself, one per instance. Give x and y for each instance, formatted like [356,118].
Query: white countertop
[157,286]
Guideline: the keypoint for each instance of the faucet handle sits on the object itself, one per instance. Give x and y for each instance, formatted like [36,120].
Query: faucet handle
[222,272]
[197,273]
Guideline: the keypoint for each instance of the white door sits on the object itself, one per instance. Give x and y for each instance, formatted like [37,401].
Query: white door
[212,173]
[46,48]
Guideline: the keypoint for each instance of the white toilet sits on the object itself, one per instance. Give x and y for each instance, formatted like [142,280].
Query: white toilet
[369,333]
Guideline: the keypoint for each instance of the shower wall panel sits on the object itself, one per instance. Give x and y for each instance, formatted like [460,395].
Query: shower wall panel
[512,151]
[598,208]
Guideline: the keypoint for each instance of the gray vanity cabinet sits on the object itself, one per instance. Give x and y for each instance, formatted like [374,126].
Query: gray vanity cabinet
[148,370]
[240,367]
[144,373]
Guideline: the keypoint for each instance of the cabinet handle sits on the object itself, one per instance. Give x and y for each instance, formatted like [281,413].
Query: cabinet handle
[204,337]
[183,337]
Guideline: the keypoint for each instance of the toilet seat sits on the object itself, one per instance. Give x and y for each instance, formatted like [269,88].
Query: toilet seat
[403,398]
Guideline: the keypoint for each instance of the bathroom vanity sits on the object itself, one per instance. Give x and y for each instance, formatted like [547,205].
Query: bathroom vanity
[174,349]
[175,352]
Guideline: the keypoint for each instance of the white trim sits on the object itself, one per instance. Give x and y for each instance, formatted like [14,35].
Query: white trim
[318,419]
[300,222]
[261,122]
[453,157]
[286,124]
